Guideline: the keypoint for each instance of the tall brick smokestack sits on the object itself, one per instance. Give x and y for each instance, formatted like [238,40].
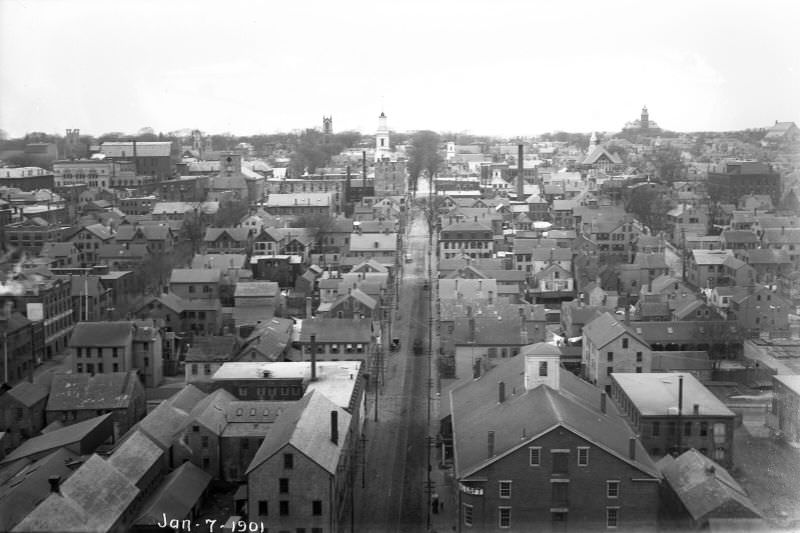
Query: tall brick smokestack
[520,168]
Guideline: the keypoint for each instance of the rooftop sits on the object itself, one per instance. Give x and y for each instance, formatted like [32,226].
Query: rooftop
[101,334]
[655,394]
[114,390]
[335,379]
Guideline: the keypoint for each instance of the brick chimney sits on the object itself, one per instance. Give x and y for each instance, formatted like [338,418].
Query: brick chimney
[632,448]
[490,444]
[603,402]
[308,306]
[520,177]
[55,482]
[501,392]
[335,427]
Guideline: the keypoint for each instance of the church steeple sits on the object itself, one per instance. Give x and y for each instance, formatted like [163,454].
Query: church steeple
[382,139]
[645,121]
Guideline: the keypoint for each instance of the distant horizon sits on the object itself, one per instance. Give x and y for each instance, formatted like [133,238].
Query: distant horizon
[503,68]
[299,131]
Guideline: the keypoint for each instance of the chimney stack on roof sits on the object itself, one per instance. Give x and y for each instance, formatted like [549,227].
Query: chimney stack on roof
[501,392]
[490,444]
[308,306]
[471,328]
[55,482]
[696,409]
[632,448]
[335,427]
[313,358]
[603,402]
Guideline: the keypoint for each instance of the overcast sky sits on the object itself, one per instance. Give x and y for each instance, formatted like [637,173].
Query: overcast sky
[487,67]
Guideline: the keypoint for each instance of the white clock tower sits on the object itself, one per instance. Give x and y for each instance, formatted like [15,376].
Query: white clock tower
[382,139]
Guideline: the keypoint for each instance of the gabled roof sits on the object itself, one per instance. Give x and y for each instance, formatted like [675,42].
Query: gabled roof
[220,261]
[150,232]
[113,390]
[256,289]
[739,237]
[705,488]
[28,394]
[240,234]
[548,271]
[195,275]
[370,265]
[100,231]
[66,436]
[575,406]
[101,334]
[306,426]
[650,261]
[210,412]
[605,328]
[97,493]
[134,458]
[373,242]
[179,493]
[210,348]
[767,257]
[123,251]
[58,249]
[28,486]
[453,289]
[358,295]
[269,339]
[337,330]
[710,257]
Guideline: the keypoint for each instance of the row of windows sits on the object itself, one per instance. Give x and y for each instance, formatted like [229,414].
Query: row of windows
[283,509]
[460,245]
[557,517]
[561,456]
[612,489]
[655,428]
[90,368]
[79,352]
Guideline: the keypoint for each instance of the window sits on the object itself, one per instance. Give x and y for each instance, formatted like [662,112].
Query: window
[560,462]
[206,368]
[638,370]
[114,352]
[625,343]
[283,485]
[79,368]
[504,518]
[100,367]
[656,429]
[612,517]
[195,428]
[316,508]
[638,357]
[288,461]
[535,456]
[262,508]
[242,392]
[610,357]
[559,494]
[194,369]
[543,369]
[467,515]
[703,429]
[583,456]
[20,413]
[612,489]
[505,489]
[609,370]
[204,441]
[206,462]
[284,508]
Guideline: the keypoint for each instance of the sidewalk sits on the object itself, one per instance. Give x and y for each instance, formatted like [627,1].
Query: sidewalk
[441,477]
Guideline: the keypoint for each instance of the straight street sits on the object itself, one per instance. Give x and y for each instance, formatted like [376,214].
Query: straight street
[392,496]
